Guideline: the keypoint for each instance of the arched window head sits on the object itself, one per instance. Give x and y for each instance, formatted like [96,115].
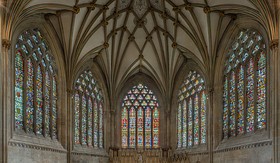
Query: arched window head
[191,115]
[88,111]
[140,118]
[35,85]
[245,76]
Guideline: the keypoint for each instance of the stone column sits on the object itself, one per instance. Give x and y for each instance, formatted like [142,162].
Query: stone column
[1,108]
[6,44]
[70,129]
[211,128]
[273,97]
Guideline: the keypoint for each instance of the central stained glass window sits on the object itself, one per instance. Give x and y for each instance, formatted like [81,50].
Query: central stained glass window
[140,118]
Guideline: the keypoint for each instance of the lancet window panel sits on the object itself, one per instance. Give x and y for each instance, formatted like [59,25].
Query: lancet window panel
[245,85]
[35,75]
[140,118]
[192,109]
[88,112]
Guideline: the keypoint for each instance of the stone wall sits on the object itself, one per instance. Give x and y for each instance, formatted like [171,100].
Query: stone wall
[262,154]
[34,154]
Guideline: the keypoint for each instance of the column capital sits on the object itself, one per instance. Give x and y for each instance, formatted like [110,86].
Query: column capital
[6,43]
[273,44]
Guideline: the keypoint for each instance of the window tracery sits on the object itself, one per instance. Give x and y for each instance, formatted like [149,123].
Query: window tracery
[88,111]
[244,97]
[140,118]
[34,76]
[191,115]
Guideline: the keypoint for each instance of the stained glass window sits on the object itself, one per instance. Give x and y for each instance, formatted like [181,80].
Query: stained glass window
[88,112]
[191,115]
[33,83]
[140,118]
[245,85]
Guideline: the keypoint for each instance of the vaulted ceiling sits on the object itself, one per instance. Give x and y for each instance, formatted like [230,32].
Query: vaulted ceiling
[151,36]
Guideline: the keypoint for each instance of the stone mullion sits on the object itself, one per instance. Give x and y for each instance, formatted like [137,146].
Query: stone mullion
[274,51]
[4,47]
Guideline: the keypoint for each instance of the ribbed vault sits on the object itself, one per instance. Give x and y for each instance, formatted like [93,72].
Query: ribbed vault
[150,36]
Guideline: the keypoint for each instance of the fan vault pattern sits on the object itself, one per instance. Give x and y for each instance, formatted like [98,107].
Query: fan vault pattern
[128,36]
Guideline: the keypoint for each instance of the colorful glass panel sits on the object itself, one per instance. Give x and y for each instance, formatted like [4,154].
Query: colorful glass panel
[32,100]
[39,101]
[54,109]
[30,96]
[90,120]
[192,111]
[232,104]
[190,122]
[100,125]
[132,127]
[84,120]
[203,118]
[143,119]
[124,128]
[140,128]
[91,110]
[19,75]
[77,119]
[240,90]
[196,120]
[261,91]
[250,96]
[185,123]
[179,126]
[155,127]
[248,59]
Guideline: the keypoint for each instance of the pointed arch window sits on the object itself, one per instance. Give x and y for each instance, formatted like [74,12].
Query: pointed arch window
[35,85]
[140,118]
[191,115]
[88,111]
[245,79]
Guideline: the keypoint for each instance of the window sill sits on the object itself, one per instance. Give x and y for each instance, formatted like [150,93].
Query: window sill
[30,139]
[245,139]
[86,150]
[194,149]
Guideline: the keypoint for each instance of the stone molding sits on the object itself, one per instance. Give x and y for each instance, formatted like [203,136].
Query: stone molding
[6,43]
[247,146]
[89,154]
[36,147]
[274,44]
